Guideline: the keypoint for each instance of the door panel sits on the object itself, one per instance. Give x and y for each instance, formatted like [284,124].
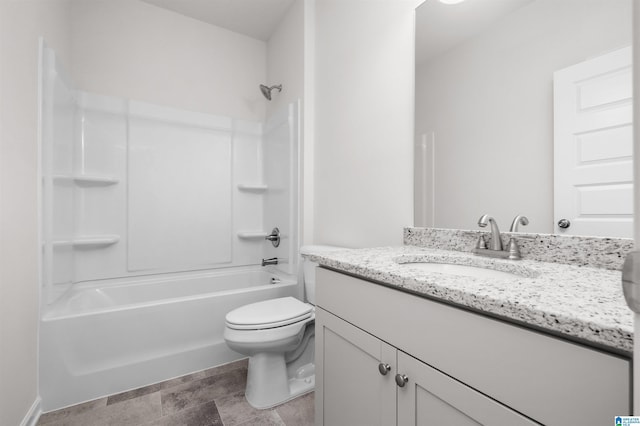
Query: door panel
[432,410]
[433,398]
[353,390]
[593,139]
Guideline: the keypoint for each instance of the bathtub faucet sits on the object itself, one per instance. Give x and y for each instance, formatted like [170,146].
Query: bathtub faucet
[272,261]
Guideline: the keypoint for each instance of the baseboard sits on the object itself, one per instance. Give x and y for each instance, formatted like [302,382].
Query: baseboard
[34,413]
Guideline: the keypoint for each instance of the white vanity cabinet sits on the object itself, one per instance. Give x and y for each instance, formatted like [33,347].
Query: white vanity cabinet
[356,392]
[461,367]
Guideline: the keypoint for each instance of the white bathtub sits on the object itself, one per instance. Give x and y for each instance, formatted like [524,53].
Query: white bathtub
[106,337]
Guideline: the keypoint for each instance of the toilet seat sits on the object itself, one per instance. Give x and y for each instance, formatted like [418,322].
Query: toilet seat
[269,314]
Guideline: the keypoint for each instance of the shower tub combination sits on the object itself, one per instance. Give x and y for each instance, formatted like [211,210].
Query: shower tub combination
[139,269]
[110,336]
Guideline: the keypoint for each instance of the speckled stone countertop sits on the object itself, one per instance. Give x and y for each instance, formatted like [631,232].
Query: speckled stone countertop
[582,303]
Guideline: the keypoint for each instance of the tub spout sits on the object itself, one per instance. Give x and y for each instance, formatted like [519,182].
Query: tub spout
[271,261]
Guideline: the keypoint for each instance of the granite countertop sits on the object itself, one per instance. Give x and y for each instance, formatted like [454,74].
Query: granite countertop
[579,302]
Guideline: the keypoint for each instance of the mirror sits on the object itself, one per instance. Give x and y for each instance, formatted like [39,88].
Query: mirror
[484,122]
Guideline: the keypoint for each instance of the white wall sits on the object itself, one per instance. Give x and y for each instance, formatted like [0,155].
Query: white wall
[490,103]
[135,50]
[285,59]
[364,84]
[21,23]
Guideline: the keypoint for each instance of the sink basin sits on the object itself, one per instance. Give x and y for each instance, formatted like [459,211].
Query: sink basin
[466,266]
[462,270]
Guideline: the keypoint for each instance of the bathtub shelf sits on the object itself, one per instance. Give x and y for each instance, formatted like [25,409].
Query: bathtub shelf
[94,241]
[257,187]
[87,180]
[252,235]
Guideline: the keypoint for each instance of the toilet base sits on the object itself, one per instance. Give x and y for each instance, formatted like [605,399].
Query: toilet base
[268,384]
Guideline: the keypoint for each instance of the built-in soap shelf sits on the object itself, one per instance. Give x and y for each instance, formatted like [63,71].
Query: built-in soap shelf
[252,235]
[87,180]
[253,187]
[89,241]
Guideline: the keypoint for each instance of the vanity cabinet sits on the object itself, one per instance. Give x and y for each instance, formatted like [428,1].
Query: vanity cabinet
[363,383]
[461,367]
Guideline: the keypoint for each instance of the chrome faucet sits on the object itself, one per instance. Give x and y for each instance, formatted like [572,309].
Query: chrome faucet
[271,261]
[496,249]
[496,240]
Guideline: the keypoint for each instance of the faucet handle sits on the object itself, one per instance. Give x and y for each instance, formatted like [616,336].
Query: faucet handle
[518,220]
[274,237]
[482,243]
[513,249]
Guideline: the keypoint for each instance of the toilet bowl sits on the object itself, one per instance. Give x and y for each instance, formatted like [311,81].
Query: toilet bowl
[278,337]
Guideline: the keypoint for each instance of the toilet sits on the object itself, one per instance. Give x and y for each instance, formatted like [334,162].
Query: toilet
[278,337]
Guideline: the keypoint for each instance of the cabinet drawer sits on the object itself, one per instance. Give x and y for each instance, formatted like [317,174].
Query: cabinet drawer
[546,378]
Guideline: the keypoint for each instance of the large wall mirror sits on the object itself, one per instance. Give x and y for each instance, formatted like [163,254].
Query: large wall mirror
[486,123]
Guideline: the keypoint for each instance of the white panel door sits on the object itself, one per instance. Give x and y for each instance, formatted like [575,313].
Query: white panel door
[593,134]
[350,390]
[430,397]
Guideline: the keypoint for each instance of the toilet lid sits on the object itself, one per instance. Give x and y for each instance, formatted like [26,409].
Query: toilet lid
[269,314]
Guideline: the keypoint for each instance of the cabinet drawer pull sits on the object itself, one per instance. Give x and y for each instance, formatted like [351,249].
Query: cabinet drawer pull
[401,380]
[384,368]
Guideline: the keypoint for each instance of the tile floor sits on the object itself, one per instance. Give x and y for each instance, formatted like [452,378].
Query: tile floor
[213,397]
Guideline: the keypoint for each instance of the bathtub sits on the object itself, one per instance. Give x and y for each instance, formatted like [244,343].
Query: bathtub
[105,337]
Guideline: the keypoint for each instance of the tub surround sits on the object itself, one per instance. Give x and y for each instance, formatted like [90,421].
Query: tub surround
[583,303]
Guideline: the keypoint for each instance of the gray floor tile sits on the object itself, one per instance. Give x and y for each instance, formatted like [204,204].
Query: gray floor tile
[234,409]
[74,410]
[298,412]
[268,418]
[202,391]
[213,397]
[200,415]
[132,412]
[215,371]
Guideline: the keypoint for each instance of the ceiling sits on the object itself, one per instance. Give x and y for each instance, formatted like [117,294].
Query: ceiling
[254,18]
[440,27]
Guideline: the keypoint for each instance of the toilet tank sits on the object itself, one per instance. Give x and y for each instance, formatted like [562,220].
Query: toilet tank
[309,269]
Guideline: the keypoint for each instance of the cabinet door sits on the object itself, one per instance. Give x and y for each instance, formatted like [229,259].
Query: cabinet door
[350,390]
[430,397]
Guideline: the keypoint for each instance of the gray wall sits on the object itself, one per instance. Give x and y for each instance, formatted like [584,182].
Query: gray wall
[364,74]
[21,24]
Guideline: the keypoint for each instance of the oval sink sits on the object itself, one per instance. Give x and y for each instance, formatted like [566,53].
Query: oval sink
[463,270]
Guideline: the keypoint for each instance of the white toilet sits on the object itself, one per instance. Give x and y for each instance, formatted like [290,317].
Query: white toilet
[278,337]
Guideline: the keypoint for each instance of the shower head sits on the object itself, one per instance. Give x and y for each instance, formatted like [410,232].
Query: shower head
[266,91]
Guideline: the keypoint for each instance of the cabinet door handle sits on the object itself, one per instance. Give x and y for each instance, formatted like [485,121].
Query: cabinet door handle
[384,368]
[401,380]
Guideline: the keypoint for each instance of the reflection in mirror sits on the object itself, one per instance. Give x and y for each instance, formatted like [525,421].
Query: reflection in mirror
[485,112]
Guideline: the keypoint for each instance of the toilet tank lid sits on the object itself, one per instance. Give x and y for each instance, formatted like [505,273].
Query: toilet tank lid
[314,249]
